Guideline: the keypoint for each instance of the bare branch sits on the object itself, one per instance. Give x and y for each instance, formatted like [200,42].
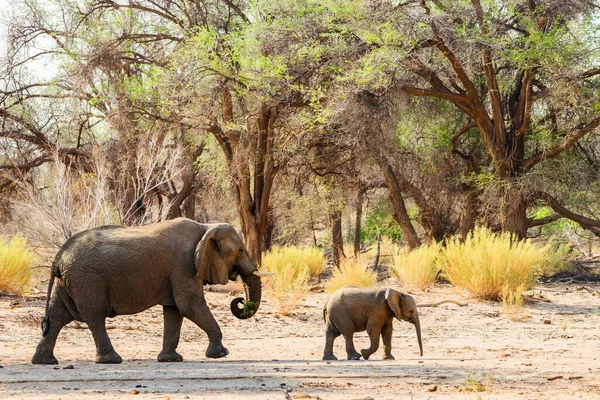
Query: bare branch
[531,223]
[571,138]
[592,225]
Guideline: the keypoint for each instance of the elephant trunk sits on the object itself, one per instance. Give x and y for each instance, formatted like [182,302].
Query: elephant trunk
[418,328]
[246,308]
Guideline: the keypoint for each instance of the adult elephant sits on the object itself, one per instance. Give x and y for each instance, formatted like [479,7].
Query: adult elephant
[115,270]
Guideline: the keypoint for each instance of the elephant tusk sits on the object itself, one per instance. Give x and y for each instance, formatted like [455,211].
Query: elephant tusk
[263,274]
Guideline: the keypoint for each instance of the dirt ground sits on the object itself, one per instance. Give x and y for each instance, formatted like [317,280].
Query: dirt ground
[552,351]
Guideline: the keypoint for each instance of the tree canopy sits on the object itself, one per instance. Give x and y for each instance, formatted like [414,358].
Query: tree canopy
[433,116]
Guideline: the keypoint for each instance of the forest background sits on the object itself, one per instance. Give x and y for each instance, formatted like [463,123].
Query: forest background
[302,122]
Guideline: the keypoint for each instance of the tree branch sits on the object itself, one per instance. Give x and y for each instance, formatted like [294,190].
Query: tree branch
[531,223]
[571,138]
[586,223]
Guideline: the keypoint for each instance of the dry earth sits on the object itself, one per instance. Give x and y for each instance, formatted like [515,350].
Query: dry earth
[552,352]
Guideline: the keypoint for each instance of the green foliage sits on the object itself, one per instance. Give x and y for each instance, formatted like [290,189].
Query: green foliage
[379,218]
[15,265]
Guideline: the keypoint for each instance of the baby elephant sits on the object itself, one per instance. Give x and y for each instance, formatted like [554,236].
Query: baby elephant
[351,309]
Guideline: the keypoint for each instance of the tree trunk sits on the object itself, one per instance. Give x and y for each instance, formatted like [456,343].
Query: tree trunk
[513,217]
[189,207]
[252,190]
[337,240]
[471,206]
[253,238]
[357,225]
[268,240]
[401,215]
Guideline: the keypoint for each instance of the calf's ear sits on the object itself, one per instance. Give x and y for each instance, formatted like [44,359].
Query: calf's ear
[393,298]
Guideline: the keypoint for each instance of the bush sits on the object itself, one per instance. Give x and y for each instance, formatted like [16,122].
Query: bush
[297,258]
[489,264]
[351,273]
[557,260]
[15,265]
[292,267]
[418,268]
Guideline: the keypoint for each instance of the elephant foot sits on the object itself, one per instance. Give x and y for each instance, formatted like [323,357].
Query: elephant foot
[111,357]
[44,358]
[216,351]
[365,353]
[354,356]
[171,356]
[388,357]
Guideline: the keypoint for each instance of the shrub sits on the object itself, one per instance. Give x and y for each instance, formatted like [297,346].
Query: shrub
[297,258]
[487,264]
[351,273]
[418,268]
[292,267]
[558,259]
[15,265]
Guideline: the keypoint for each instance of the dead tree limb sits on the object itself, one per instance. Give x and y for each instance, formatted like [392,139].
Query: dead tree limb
[458,303]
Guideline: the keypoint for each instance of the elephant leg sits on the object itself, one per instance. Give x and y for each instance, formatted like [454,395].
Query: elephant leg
[330,336]
[386,335]
[105,353]
[374,332]
[59,316]
[194,307]
[350,350]
[172,330]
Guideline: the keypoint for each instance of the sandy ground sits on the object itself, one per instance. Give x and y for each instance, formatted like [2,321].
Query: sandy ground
[551,352]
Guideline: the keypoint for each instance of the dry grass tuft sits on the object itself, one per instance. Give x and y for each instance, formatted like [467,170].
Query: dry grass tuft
[558,259]
[297,258]
[487,264]
[512,301]
[352,272]
[15,265]
[419,268]
[292,266]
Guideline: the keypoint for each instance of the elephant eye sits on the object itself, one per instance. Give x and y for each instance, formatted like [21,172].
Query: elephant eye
[241,252]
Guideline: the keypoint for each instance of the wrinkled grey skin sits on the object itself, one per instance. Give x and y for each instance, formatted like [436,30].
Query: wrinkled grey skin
[351,309]
[114,270]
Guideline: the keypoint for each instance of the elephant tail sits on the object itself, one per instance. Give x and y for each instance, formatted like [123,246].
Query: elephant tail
[46,320]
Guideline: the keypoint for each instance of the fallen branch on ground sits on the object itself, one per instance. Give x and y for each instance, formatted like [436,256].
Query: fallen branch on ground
[567,290]
[443,302]
[529,297]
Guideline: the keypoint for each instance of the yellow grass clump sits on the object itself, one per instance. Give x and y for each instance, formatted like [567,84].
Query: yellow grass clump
[557,260]
[419,268]
[489,264]
[512,301]
[15,265]
[292,266]
[296,257]
[352,272]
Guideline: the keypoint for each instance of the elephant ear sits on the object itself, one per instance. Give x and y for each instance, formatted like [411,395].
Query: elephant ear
[394,298]
[210,266]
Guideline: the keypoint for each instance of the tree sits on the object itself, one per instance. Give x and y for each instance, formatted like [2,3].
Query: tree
[255,89]
[522,72]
